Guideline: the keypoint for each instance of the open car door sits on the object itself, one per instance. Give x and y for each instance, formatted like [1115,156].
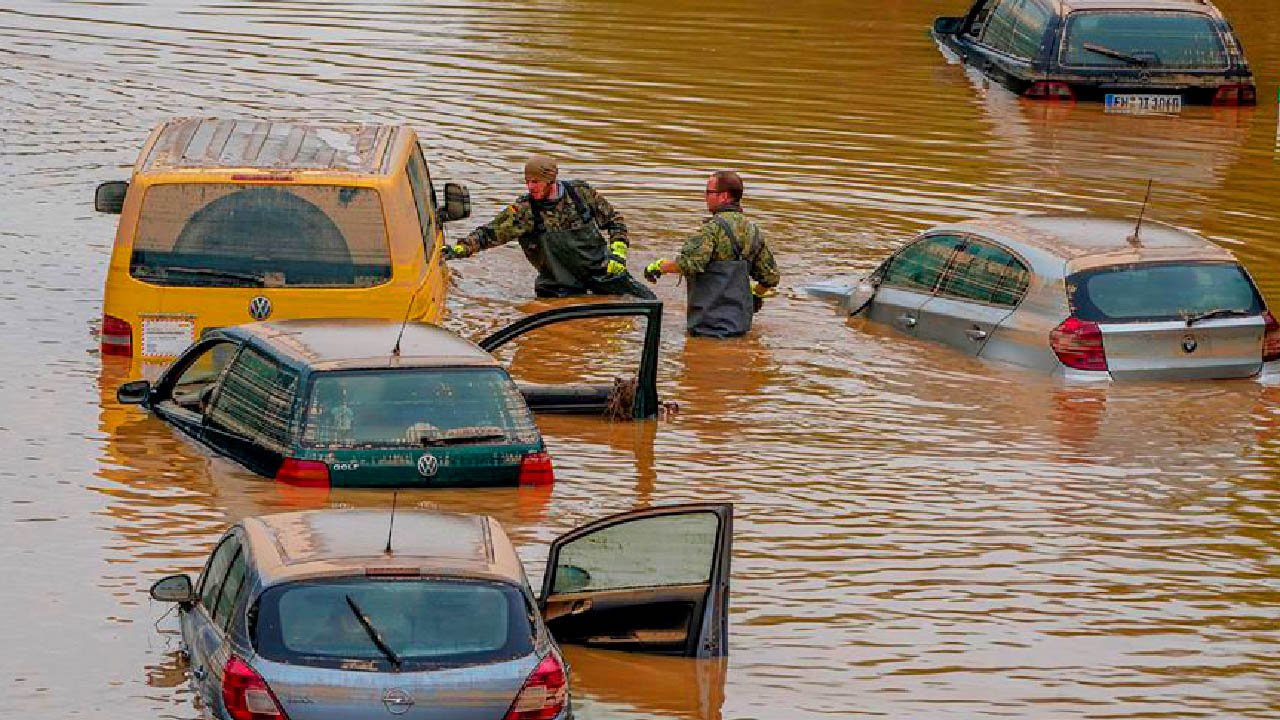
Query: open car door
[653,580]
[588,397]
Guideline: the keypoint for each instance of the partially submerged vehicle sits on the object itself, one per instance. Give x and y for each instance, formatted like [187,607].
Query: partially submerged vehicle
[365,403]
[1086,298]
[228,221]
[1134,55]
[339,614]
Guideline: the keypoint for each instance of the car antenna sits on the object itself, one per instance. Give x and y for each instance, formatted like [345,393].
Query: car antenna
[1133,239]
[392,525]
[395,351]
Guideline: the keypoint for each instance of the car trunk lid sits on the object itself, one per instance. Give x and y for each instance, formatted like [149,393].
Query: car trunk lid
[1173,350]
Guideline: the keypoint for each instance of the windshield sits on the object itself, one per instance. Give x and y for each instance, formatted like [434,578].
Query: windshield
[422,622]
[1175,40]
[1134,293]
[224,235]
[416,408]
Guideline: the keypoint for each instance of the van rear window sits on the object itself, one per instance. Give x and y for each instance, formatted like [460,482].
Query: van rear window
[226,235]
[1174,40]
[1162,291]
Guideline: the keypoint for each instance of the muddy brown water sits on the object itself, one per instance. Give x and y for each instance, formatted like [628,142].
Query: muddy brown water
[918,534]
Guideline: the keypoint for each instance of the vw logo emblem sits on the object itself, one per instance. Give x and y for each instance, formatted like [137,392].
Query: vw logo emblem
[1189,344]
[397,701]
[427,465]
[260,308]
[1144,76]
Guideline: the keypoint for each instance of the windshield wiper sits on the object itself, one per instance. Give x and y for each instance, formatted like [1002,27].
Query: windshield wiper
[211,272]
[373,634]
[1192,319]
[459,436]
[1109,52]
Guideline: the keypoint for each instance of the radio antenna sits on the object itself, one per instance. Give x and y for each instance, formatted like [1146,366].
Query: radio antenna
[395,351]
[392,525]
[1133,239]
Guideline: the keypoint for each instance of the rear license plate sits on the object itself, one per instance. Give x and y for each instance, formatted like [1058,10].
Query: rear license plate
[1144,103]
[167,337]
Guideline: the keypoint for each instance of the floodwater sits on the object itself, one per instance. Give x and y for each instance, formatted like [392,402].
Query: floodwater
[918,534]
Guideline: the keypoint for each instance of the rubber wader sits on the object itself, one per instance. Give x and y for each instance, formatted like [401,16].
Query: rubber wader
[720,303]
[572,261]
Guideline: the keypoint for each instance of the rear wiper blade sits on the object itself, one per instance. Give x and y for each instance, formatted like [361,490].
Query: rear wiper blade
[211,272]
[457,436]
[1117,54]
[1192,319]
[373,634]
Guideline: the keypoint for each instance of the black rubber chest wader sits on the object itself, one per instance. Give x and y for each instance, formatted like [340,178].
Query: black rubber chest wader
[572,261]
[720,302]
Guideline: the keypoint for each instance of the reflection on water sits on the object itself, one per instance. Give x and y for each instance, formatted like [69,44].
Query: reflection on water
[919,534]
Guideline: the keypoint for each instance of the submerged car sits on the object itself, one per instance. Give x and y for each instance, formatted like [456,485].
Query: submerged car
[1087,298]
[373,403]
[1134,55]
[335,614]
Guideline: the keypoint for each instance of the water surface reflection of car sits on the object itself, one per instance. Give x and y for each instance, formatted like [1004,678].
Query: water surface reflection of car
[1136,55]
[1084,297]
[346,614]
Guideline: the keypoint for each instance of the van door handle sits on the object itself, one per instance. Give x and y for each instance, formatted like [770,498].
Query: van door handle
[199,673]
[976,333]
[907,320]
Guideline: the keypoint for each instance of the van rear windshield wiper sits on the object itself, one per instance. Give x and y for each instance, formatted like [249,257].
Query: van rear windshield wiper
[373,634]
[1117,54]
[1192,319]
[211,272]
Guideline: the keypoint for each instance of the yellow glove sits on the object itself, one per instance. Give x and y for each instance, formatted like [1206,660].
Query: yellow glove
[457,250]
[758,294]
[617,259]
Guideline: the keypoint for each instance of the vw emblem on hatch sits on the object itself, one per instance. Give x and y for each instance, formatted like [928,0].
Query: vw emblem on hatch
[397,701]
[1189,344]
[260,308]
[427,465]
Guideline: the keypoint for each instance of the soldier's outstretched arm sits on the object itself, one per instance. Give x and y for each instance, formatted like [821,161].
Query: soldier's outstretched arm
[515,221]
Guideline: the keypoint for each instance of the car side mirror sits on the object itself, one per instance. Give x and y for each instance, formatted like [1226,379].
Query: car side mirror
[175,588]
[947,25]
[133,393]
[109,197]
[859,298]
[457,203]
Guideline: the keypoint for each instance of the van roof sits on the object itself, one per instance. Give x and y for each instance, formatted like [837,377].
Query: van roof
[220,143]
[355,343]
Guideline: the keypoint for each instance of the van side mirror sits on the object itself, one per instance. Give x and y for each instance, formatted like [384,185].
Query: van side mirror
[175,588]
[947,25]
[134,393]
[109,197]
[457,203]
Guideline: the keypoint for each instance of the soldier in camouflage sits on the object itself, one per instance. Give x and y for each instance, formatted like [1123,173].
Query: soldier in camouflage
[728,266]
[560,225]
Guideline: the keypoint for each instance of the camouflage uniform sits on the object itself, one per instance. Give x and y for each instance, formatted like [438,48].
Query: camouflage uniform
[711,243]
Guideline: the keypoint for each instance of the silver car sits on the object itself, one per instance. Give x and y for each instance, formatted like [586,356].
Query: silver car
[1084,297]
[334,614]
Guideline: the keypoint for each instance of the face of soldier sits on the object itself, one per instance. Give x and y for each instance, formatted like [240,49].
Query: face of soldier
[540,190]
[715,198]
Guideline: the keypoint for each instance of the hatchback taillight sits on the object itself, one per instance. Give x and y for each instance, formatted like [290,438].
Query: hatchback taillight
[1050,90]
[304,473]
[544,694]
[246,695]
[1236,94]
[535,469]
[117,336]
[1078,344]
[1270,338]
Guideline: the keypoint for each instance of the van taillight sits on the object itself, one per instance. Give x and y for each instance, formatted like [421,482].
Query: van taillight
[117,336]
[544,694]
[1270,338]
[303,473]
[1078,344]
[1236,94]
[246,695]
[1050,90]
[535,469]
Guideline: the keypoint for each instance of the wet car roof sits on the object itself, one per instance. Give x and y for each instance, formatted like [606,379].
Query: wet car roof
[1193,5]
[320,543]
[1079,238]
[331,344]
[217,143]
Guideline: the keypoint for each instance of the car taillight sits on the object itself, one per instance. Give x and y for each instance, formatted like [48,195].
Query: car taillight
[117,336]
[1271,338]
[1236,94]
[1050,90]
[305,473]
[246,695]
[544,694]
[1078,344]
[535,469]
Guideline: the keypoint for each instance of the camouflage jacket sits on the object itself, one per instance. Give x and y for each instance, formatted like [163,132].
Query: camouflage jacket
[516,221]
[712,243]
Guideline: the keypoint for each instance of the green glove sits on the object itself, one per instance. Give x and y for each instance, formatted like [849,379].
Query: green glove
[758,294]
[455,251]
[653,270]
[617,259]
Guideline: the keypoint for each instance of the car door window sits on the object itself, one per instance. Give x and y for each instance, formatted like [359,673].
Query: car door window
[919,265]
[423,196]
[1017,27]
[231,588]
[652,552]
[255,401]
[215,572]
[194,378]
[986,273]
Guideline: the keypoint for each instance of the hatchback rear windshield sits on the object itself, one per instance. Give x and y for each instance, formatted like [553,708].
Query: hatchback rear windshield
[224,235]
[1166,291]
[1177,40]
[426,623]
[416,407]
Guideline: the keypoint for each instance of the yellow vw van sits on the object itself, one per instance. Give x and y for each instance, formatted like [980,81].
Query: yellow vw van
[229,221]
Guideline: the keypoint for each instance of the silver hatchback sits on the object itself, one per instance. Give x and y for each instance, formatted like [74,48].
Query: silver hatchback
[1084,297]
[335,614]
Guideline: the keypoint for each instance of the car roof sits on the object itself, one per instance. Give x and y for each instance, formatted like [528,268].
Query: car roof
[330,543]
[221,143]
[1067,6]
[355,343]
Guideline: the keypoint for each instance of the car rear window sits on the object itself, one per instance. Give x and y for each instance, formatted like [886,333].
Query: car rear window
[226,235]
[1164,291]
[416,407]
[1179,40]
[426,622]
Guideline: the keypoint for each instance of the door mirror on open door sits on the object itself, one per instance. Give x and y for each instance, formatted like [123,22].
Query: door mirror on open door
[654,580]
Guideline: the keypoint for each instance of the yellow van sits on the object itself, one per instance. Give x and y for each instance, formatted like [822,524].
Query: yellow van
[229,221]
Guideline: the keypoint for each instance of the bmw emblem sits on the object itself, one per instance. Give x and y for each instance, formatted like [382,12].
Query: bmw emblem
[1189,344]
[397,701]
[427,465]
[260,308]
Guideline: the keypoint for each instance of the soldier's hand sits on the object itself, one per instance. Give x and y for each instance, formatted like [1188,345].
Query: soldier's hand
[455,251]
[653,270]
[758,294]
[617,259]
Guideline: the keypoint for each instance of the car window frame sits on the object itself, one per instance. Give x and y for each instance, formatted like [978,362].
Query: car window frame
[163,402]
[883,271]
[990,242]
[231,537]
[429,222]
[291,421]
[222,615]
[1017,22]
